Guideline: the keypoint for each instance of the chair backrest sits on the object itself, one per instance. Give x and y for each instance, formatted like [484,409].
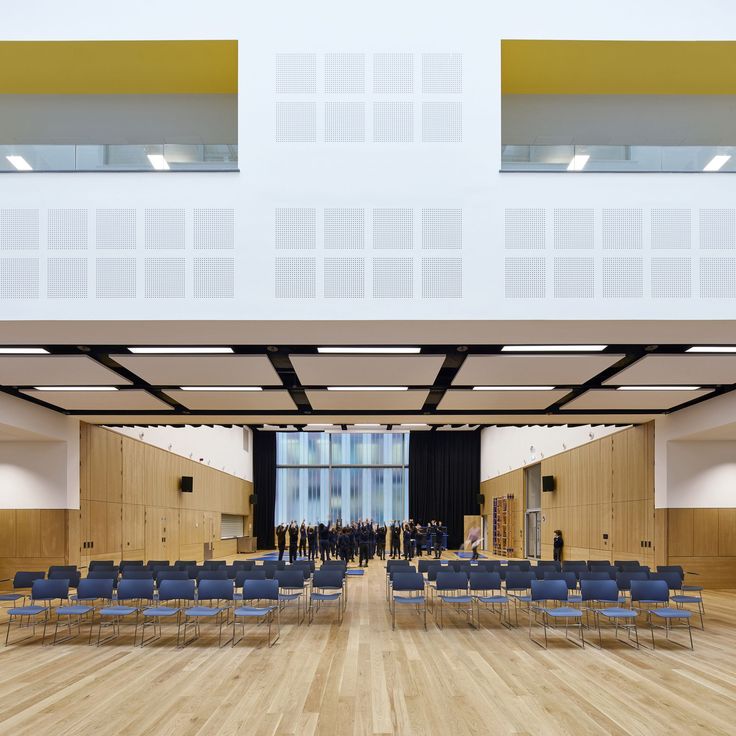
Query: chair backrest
[523,565]
[672,578]
[49,590]
[171,575]
[434,570]
[184,564]
[72,576]
[487,565]
[553,563]
[328,579]
[130,563]
[549,590]
[424,565]
[408,581]
[624,579]
[216,590]
[220,574]
[540,570]
[334,563]
[400,570]
[452,581]
[137,573]
[231,571]
[595,575]
[92,589]
[485,581]
[598,563]
[214,564]
[391,564]
[570,578]
[243,575]
[155,569]
[575,567]
[104,573]
[55,568]
[650,590]
[176,590]
[518,580]
[672,568]
[574,562]
[244,564]
[289,578]
[25,579]
[260,589]
[153,563]
[96,564]
[624,565]
[599,589]
[135,589]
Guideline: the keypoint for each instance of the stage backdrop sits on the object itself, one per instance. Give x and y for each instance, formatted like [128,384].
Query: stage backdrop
[264,486]
[444,479]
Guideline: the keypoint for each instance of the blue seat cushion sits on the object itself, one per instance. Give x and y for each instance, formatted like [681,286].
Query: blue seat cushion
[692,588]
[202,611]
[563,612]
[574,599]
[27,610]
[326,596]
[117,611]
[522,598]
[289,596]
[10,596]
[457,598]
[617,612]
[492,599]
[414,599]
[686,598]
[253,611]
[160,611]
[671,613]
[73,610]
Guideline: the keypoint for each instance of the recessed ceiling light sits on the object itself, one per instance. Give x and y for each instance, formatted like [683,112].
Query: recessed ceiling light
[221,388]
[414,426]
[319,426]
[19,163]
[367,426]
[513,388]
[158,162]
[367,388]
[711,349]
[578,161]
[182,351]
[553,348]
[717,162]
[658,388]
[385,351]
[23,351]
[75,388]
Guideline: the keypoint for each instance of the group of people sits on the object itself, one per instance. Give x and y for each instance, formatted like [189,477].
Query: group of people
[363,538]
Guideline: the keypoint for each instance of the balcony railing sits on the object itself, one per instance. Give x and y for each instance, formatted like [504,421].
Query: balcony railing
[588,158]
[113,157]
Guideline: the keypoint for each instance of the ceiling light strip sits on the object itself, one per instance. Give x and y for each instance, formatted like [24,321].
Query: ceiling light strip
[221,388]
[180,350]
[75,388]
[379,351]
[367,388]
[553,348]
[513,388]
[23,351]
[712,349]
[658,388]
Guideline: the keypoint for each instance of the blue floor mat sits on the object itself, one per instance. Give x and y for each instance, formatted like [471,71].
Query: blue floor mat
[355,572]
[468,555]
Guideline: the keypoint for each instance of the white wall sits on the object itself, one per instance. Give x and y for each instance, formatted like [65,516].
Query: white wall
[503,449]
[43,471]
[701,474]
[222,448]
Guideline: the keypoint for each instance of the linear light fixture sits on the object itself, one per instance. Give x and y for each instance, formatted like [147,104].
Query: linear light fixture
[717,162]
[367,388]
[414,426]
[319,426]
[368,426]
[578,161]
[658,388]
[553,348]
[23,351]
[19,163]
[711,349]
[220,388]
[158,162]
[513,388]
[75,388]
[385,351]
[180,351]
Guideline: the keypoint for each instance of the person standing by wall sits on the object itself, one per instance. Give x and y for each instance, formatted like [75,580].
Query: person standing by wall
[303,539]
[281,539]
[293,541]
[558,543]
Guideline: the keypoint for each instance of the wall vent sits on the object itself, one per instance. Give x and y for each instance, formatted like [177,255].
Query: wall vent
[670,228]
[622,229]
[393,278]
[214,229]
[442,278]
[442,122]
[164,278]
[296,74]
[573,228]
[296,228]
[214,278]
[442,228]
[393,122]
[115,278]
[296,278]
[718,228]
[623,278]
[393,74]
[164,229]
[573,278]
[344,227]
[19,229]
[525,278]
[345,74]
[393,228]
[344,122]
[344,278]
[718,278]
[19,278]
[525,228]
[115,229]
[671,278]
[296,122]
[442,73]
[67,229]
[67,278]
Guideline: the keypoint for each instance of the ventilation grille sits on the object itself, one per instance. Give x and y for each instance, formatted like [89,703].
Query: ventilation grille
[345,122]
[442,122]
[296,278]
[164,278]
[442,278]
[393,278]
[393,122]
[573,278]
[345,74]
[718,278]
[67,229]
[214,229]
[623,278]
[67,278]
[214,278]
[19,229]
[115,278]
[116,229]
[344,228]
[525,228]
[670,228]
[393,74]
[393,228]
[622,229]
[671,278]
[442,73]
[296,228]
[296,73]
[718,228]
[525,278]
[19,278]
[573,228]
[344,278]
[164,229]
[296,122]
[442,228]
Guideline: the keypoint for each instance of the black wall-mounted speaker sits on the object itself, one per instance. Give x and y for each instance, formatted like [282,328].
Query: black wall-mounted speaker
[253,499]
[548,483]
[186,485]
[481,499]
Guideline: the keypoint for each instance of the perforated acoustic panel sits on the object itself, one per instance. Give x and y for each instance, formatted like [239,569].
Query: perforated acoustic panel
[573,228]
[296,278]
[718,228]
[393,122]
[164,278]
[623,278]
[671,278]
[442,73]
[164,229]
[296,227]
[115,278]
[442,122]
[670,228]
[19,278]
[344,227]
[393,74]
[622,228]
[345,122]
[296,122]
[296,73]
[393,228]
[442,228]
[525,278]
[442,278]
[393,278]
[718,278]
[214,229]
[344,278]
[573,278]
[115,229]
[345,73]
[67,278]
[214,278]
[525,228]
[19,229]
[67,229]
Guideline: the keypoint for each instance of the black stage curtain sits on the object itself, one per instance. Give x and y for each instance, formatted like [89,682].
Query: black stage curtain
[264,486]
[444,479]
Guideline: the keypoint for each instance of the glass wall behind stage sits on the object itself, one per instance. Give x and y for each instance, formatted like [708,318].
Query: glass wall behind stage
[324,476]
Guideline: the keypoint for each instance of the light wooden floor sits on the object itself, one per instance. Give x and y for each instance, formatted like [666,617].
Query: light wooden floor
[363,678]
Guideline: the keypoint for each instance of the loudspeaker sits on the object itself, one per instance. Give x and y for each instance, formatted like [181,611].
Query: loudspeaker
[548,483]
[186,485]
[253,499]
[481,499]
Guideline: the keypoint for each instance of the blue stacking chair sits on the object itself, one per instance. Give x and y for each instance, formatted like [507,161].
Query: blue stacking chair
[685,588]
[244,564]
[184,564]
[540,570]
[327,587]
[553,591]
[137,573]
[213,574]
[151,564]
[598,563]
[411,585]
[522,565]
[134,591]
[214,564]
[554,563]
[571,580]
[452,588]
[42,591]
[179,591]
[601,598]
[219,592]
[291,590]
[259,590]
[73,576]
[654,594]
[397,570]
[256,573]
[485,588]
[674,583]
[88,592]
[97,564]
[21,581]
[624,580]
[162,575]
[392,565]
[124,564]
[517,588]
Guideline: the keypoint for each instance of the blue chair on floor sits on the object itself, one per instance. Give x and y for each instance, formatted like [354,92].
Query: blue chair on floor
[677,593]
[21,581]
[291,590]
[652,596]
[408,590]
[73,576]
[452,588]
[162,575]
[179,591]
[485,587]
[685,588]
[571,580]
[517,586]
[137,573]
[259,590]
[132,596]
[88,592]
[42,591]
[97,564]
[327,588]
[553,591]
[601,598]
[217,592]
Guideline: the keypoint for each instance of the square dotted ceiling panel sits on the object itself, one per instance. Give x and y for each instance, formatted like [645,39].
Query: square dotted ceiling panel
[376,370]
[367,400]
[604,399]
[235,400]
[462,400]
[532,370]
[133,400]
[56,370]
[677,370]
[201,370]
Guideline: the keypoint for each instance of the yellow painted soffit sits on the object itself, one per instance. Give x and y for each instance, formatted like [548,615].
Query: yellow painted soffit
[118,67]
[618,67]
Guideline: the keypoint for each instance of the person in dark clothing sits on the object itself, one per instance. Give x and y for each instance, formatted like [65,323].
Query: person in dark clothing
[364,544]
[371,540]
[293,541]
[558,543]
[324,541]
[333,542]
[395,540]
[437,540]
[407,542]
[312,539]
[281,539]
[381,542]
[303,539]
[420,540]
[343,545]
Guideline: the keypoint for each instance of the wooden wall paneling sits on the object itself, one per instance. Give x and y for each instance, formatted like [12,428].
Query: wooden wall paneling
[53,532]
[680,532]
[28,533]
[727,532]
[7,532]
[73,537]
[133,531]
[84,461]
[705,532]
[114,480]
[133,471]
[114,539]
[98,527]
[661,536]
[710,572]
[97,447]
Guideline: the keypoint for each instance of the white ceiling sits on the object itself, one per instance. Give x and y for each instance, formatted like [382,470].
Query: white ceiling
[234,400]
[366,400]
[612,399]
[56,370]
[458,400]
[367,370]
[673,370]
[130,400]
